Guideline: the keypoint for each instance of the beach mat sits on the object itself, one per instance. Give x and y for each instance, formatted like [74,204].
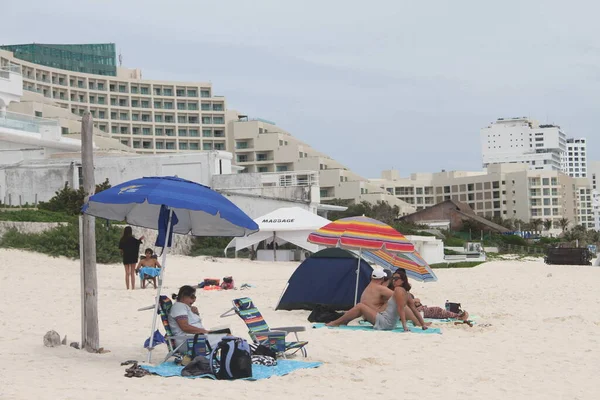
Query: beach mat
[369,327]
[283,367]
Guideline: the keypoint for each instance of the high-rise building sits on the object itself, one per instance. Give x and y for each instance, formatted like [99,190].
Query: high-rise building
[523,140]
[149,116]
[509,191]
[575,162]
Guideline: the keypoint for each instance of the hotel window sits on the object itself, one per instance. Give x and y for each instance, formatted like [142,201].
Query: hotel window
[206,146]
[157,104]
[157,91]
[183,146]
[158,118]
[167,92]
[180,92]
[147,145]
[159,145]
[170,145]
[100,86]
[193,132]
[206,120]
[135,103]
[144,90]
[192,106]
[169,119]
[168,105]
[146,131]
[181,106]
[158,131]
[194,146]
[136,130]
[217,107]
[219,146]
[205,106]
[182,132]
[134,89]
[204,93]
[192,93]
[206,133]
[101,115]
[169,132]
[123,116]
[182,119]
[122,88]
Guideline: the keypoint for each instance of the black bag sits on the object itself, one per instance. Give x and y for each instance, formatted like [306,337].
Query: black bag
[323,313]
[262,350]
[198,366]
[231,359]
[453,307]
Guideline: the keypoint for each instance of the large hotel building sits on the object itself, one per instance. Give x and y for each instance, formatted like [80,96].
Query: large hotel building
[149,116]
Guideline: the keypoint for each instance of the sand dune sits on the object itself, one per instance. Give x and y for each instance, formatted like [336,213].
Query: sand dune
[542,342]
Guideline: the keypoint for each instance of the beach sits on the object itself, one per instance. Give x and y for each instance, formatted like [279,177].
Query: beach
[536,335]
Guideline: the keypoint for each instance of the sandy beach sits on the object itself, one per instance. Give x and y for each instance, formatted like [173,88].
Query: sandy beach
[542,342]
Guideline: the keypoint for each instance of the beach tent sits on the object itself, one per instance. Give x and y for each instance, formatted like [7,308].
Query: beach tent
[327,277]
[288,224]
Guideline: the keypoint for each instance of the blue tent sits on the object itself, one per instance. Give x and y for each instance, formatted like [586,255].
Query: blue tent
[328,277]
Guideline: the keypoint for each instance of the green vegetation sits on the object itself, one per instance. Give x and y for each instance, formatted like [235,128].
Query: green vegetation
[68,200]
[209,246]
[64,241]
[29,215]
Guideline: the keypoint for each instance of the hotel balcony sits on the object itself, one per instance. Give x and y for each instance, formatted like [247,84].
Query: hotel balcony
[11,85]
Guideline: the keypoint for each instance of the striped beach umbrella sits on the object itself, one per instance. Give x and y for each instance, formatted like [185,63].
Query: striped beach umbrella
[414,265]
[361,233]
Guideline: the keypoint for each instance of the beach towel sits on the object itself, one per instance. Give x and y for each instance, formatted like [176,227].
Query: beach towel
[149,272]
[369,327]
[259,372]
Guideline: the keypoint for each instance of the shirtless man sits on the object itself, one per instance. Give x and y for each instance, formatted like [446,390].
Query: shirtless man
[377,294]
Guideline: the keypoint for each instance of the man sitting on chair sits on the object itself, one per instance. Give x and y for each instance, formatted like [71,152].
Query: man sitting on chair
[150,265]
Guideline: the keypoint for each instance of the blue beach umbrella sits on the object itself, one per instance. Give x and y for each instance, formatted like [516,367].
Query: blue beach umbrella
[170,204]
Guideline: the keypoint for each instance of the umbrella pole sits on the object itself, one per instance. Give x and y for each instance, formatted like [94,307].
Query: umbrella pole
[274,249]
[357,277]
[159,288]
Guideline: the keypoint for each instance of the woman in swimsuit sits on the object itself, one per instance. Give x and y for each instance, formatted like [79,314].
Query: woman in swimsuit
[394,311]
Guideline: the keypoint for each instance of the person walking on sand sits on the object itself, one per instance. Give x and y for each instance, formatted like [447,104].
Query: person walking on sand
[394,310]
[129,247]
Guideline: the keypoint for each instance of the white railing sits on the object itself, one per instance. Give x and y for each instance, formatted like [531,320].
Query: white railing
[6,70]
[290,178]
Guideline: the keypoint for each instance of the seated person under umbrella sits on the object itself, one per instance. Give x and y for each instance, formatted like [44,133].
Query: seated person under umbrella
[148,267]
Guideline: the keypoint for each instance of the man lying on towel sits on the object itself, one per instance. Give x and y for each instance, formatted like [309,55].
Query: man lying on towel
[394,310]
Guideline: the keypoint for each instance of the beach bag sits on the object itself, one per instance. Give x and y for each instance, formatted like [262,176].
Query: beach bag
[264,360]
[200,365]
[262,350]
[453,307]
[323,313]
[227,283]
[231,359]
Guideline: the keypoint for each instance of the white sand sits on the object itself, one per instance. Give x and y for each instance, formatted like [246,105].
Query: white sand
[543,342]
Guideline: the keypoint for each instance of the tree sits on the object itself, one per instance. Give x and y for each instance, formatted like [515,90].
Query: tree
[548,224]
[381,211]
[536,224]
[69,200]
[564,224]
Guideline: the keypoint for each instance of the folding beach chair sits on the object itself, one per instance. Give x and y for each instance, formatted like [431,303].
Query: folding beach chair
[259,330]
[164,308]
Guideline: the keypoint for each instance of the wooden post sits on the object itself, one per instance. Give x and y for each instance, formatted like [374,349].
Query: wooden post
[89,295]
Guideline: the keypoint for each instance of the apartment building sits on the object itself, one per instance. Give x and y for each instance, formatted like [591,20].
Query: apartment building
[261,146]
[148,115]
[502,190]
[523,140]
[576,162]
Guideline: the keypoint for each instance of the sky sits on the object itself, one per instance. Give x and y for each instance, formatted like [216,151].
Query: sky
[376,85]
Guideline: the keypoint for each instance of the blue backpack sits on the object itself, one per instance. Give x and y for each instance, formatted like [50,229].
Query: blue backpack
[231,359]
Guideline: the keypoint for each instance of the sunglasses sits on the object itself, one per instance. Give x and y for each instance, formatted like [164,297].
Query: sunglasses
[396,278]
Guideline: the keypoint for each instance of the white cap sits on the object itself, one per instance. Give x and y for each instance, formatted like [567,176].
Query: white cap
[378,274]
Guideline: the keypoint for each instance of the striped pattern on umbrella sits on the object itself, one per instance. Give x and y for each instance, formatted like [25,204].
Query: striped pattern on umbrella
[414,265]
[361,233]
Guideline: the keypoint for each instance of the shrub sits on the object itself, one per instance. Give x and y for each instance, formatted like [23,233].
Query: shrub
[454,242]
[36,216]
[513,239]
[69,200]
[209,246]
[64,241]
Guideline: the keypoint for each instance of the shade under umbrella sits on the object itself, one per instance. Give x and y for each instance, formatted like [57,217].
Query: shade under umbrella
[414,265]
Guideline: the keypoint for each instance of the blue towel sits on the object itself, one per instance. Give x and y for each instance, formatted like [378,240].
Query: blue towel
[370,328]
[149,271]
[163,221]
[283,367]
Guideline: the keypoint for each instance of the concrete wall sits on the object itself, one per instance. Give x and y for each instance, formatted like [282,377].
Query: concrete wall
[27,227]
[429,247]
[38,181]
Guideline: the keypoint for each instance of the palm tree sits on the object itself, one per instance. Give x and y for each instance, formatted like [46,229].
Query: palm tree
[536,224]
[564,224]
[548,224]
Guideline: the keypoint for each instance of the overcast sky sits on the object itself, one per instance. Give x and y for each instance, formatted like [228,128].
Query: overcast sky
[376,85]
